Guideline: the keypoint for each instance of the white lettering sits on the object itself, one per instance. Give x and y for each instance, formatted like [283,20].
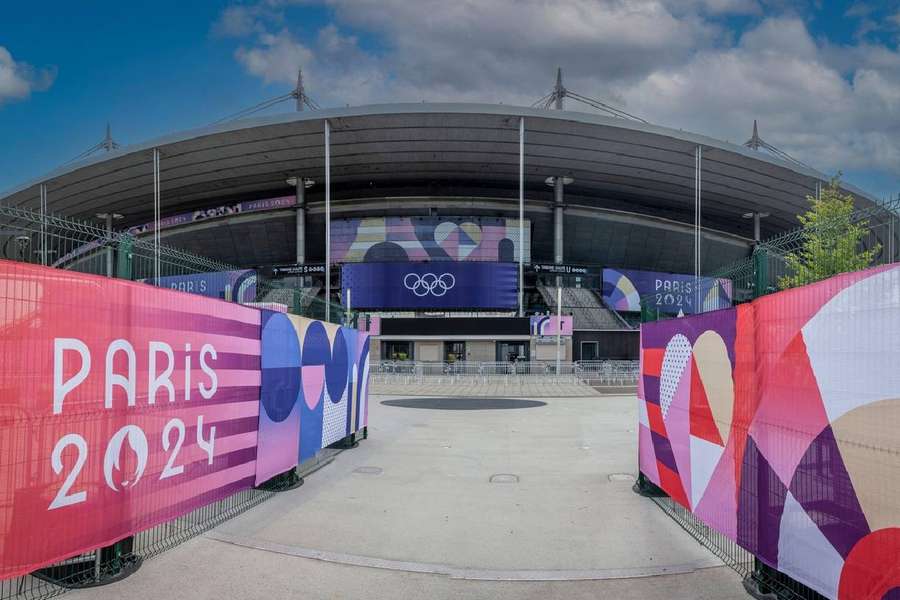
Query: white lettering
[62,388]
[162,380]
[115,379]
[208,393]
[187,371]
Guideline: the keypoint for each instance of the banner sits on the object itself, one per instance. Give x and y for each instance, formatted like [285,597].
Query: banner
[123,406]
[776,424]
[551,325]
[666,292]
[424,239]
[231,286]
[314,389]
[445,285]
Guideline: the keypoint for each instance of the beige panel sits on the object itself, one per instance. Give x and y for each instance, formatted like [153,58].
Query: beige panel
[711,356]
[428,351]
[870,446]
[481,351]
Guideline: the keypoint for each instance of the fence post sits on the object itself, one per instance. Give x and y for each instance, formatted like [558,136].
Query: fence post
[760,272]
[125,257]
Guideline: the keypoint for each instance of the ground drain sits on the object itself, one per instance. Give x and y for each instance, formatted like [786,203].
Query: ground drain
[369,470]
[621,477]
[504,478]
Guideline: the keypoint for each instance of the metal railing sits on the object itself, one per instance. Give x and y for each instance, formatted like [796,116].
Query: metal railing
[598,372]
[767,267]
[61,242]
[759,579]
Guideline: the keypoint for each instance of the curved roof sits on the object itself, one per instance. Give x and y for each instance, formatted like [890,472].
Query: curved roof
[405,150]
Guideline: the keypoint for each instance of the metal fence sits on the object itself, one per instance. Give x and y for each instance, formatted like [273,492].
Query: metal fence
[120,560]
[33,237]
[599,372]
[763,272]
[760,580]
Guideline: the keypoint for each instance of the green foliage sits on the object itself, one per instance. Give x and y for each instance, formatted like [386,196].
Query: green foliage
[831,242]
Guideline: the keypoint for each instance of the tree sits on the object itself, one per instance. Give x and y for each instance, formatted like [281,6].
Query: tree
[831,240]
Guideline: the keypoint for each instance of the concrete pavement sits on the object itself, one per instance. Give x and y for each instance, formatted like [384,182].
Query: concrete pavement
[520,503]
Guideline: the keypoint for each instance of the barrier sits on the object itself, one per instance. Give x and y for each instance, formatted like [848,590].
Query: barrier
[775,424]
[599,372]
[125,407]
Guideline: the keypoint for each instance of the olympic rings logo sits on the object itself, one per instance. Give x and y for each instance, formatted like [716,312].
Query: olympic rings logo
[429,283]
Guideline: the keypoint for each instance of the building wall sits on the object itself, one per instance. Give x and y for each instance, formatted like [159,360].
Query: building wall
[548,351]
[612,344]
[429,351]
[481,350]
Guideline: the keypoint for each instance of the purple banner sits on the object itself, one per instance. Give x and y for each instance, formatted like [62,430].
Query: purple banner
[232,286]
[430,285]
[216,212]
[666,292]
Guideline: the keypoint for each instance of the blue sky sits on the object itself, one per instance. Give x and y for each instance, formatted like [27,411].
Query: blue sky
[822,77]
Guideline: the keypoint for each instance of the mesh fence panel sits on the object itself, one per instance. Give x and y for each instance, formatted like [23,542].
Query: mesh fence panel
[27,236]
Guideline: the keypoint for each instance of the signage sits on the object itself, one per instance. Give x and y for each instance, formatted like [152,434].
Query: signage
[671,293]
[434,238]
[551,325]
[305,269]
[232,286]
[126,406]
[227,210]
[444,285]
[562,269]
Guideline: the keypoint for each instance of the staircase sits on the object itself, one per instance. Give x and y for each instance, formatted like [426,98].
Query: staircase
[587,310]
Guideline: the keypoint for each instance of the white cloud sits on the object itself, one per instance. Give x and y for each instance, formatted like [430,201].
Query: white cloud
[275,57]
[831,116]
[670,61]
[19,79]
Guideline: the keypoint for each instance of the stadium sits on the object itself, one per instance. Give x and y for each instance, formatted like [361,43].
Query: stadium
[425,204]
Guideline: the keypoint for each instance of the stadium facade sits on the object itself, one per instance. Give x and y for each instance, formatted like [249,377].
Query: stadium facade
[424,204]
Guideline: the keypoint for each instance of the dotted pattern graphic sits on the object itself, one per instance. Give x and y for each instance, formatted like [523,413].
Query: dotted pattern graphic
[334,426]
[678,352]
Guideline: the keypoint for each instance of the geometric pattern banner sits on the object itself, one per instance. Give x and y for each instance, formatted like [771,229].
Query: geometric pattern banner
[314,389]
[624,289]
[424,239]
[776,424]
[551,325]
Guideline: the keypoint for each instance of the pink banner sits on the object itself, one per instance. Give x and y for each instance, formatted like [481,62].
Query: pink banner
[776,423]
[121,406]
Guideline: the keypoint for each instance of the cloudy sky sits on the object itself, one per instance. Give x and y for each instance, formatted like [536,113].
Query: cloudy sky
[822,76]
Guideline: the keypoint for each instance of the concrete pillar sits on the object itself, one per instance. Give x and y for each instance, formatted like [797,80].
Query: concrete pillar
[301,221]
[558,220]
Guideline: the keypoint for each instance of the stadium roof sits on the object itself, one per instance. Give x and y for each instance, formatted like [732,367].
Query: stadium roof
[399,150]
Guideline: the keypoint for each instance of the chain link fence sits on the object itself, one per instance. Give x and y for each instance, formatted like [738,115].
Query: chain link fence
[767,267]
[32,237]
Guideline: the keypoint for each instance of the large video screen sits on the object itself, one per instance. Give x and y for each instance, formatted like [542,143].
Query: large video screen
[446,285]
[417,239]
[667,292]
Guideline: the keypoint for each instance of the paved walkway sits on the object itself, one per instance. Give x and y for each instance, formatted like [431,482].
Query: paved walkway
[412,513]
